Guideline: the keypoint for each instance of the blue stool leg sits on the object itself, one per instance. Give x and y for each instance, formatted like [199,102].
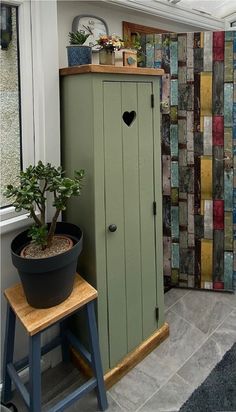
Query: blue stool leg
[8,352]
[35,373]
[96,359]
[64,343]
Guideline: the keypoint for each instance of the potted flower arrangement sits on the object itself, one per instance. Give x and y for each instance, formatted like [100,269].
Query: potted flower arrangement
[78,53]
[108,46]
[47,263]
[131,48]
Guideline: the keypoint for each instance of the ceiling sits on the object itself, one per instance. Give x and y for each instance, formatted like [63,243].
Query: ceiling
[217,8]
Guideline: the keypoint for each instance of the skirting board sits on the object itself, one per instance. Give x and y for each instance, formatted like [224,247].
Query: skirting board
[131,360]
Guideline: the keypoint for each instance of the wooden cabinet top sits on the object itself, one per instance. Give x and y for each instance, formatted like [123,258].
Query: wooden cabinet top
[98,68]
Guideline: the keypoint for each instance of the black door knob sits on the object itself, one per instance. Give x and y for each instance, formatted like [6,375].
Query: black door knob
[112,228]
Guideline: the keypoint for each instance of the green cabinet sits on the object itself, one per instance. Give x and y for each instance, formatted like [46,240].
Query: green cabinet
[111,128]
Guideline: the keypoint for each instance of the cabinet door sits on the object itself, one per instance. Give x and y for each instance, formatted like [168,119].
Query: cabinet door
[129,196]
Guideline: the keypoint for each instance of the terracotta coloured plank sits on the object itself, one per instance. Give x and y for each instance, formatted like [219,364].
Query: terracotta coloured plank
[218,45]
[165,107]
[206,94]
[218,172]
[218,130]
[166,174]
[218,214]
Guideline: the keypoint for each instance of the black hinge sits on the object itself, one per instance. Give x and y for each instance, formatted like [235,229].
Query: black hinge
[157,313]
[154,208]
[152,100]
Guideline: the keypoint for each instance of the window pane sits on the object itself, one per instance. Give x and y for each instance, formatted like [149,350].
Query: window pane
[10,164]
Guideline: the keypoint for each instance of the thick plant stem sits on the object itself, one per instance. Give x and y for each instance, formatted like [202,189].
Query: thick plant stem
[35,217]
[52,228]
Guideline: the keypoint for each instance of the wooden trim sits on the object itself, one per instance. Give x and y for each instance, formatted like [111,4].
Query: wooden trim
[133,28]
[99,68]
[131,360]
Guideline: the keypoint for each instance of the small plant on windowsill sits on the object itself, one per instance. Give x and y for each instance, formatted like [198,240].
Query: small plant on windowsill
[78,52]
[48,262]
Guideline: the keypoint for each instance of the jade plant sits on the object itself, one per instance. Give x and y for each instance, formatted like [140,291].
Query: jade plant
[31,195]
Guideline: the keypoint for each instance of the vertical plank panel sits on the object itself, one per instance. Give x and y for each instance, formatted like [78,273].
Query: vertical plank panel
[147,240]
[218,88]
[218,214]
[207,136]
[206,94]
[130,148]
[228,232]
[167,256]
[218,256]
[166,162]
[228,104]
[228,270]
[208,219]
[207,54]
[218,172]
[206,261]
[206,177]
[228,75]
[114,204]
[174,143]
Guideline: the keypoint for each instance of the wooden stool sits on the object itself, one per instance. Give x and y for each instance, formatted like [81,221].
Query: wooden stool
[35,322]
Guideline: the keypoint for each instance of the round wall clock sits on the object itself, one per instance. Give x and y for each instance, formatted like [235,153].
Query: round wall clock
[96,24]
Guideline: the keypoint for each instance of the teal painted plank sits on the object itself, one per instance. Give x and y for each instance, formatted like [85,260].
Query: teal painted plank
[174,93]
[174,142]
[174,58]
[228,104]
[147,229]
[130,144]
[174,222]
[228,189]
[228,270]
[175,255]
[114,203]
[174,174]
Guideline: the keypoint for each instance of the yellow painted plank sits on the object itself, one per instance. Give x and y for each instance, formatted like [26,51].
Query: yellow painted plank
[206,93]
[206,260]
[206,177]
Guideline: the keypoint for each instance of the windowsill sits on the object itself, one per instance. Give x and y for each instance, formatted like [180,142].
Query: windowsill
[15,223]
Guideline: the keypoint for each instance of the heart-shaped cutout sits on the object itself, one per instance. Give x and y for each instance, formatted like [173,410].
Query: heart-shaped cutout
[129,117]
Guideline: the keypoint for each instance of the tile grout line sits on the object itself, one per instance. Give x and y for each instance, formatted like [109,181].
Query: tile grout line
[177,300]
[176,372]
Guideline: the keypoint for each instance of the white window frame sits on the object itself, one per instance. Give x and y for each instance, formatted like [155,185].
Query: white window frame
[26,94]
[39,81]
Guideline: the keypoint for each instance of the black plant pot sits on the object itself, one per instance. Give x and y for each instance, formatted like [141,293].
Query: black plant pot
[48,281]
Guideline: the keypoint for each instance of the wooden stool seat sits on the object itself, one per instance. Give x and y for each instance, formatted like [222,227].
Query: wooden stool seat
[36,321]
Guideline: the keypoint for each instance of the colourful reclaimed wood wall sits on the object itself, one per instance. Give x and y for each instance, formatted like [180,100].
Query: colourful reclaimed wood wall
[199,156]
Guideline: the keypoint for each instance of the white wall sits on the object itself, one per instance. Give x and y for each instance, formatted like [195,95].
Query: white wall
[113,16]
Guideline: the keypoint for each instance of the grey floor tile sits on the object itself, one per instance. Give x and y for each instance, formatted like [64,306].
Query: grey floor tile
[198,367]
[225,334]
[184,339]
[173,295]
[132,391]
[170,397]
[205,310]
